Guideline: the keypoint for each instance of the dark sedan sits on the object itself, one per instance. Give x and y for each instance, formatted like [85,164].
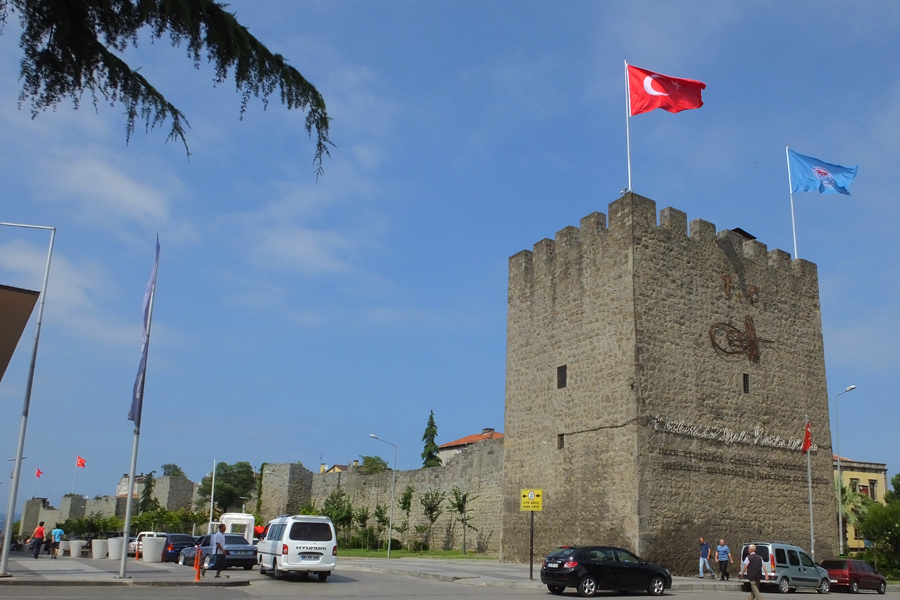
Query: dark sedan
[854,575]
[590,569]
[175,543]
[240,552]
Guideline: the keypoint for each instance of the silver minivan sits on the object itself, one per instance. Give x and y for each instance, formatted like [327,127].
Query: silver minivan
[301,544]
[789,567]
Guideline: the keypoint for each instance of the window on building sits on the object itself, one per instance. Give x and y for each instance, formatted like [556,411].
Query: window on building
[561,377]
[854,484]
[863,490]
[746,383]
[561,441]
[873,490]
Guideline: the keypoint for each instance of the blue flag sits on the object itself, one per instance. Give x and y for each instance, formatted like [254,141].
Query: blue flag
[808,174]
[137,399]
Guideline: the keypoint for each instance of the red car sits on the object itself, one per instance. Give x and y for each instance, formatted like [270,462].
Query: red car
[854,575]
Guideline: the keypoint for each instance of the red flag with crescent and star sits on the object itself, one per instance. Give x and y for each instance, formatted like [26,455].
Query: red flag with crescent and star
[80,462]
[648,91]
[38,473]
[807,440]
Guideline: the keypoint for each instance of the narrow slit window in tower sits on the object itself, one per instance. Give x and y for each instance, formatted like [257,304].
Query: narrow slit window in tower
[561,377]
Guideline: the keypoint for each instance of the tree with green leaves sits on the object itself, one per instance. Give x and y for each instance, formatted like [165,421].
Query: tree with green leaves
[148,502]
[382,520]
[459,503]
[372,465]
[232,483]
[173,470]
[404,503]
[430,456]
[72,49]
[431,502]
[339,509]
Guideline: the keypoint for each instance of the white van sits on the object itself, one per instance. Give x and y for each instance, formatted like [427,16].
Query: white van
[299,544]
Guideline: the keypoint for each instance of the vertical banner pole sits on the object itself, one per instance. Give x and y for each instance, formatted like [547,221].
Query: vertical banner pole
[628,123]
[531,550]
[812,531]
[791,191]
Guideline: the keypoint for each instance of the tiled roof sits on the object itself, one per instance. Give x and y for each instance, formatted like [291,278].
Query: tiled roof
[471,439]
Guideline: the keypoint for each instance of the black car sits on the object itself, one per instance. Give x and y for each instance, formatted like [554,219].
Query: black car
[240,552]
[590,569]
[175,543]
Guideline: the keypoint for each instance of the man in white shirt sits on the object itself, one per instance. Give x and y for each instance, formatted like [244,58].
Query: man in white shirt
[218,550]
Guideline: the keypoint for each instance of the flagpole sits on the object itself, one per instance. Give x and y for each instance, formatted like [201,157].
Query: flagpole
[628,123]
[14,486]
[791,192]
[74,474]
[812,530]
[139,392]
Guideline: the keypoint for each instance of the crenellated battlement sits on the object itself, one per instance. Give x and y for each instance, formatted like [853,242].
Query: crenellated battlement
[631,219]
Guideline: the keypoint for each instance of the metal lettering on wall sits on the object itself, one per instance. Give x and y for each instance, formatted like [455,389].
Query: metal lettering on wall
[758,436]
[728,339]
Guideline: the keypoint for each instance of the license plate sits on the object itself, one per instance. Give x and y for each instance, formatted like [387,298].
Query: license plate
[309,557]
[553,565]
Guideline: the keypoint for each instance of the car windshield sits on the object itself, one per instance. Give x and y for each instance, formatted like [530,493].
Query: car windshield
[181,538]
[834,564]
[235,539]
[310,532]
[561,553]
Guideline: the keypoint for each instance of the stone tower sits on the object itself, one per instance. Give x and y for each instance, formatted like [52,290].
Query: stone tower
[657,388]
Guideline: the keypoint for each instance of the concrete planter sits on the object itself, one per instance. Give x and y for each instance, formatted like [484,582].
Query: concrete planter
[75,547]
[99,548]
[116,547]
[151,549]
[63,547]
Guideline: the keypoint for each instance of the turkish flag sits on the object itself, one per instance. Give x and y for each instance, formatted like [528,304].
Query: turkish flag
[38,473]
[648,91]
[80,462]
[807,440]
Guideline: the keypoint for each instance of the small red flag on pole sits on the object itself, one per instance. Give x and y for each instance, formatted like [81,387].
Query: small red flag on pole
[80,462]
[38,473]
[807,440]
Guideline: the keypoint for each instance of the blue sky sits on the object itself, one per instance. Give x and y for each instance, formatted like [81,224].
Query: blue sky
[294,317]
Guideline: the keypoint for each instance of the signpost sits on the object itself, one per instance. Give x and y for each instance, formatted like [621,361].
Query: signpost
[531,501]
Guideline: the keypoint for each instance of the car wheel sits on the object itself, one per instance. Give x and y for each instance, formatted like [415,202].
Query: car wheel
[854,587]
[824,586]
[657,586]
[323,575]
[181,559]
[276,572]
[262,566]
[556,589]
[248,567]
[587,587]
[784,586]
[882,587]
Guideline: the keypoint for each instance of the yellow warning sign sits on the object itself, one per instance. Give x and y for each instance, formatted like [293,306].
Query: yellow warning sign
[532,500]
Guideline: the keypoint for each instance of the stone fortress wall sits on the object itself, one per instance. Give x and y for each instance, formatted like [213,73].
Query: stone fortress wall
[691,360]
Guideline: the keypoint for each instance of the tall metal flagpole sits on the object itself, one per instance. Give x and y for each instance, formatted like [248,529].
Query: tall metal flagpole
[212,498]
[14,487]
[137,410]
[812,531]
[791,191]
[628,122]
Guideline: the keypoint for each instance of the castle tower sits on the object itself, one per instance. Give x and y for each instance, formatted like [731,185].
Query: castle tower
[657,386]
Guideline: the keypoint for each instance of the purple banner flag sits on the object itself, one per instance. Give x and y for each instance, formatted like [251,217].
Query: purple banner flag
[137,399]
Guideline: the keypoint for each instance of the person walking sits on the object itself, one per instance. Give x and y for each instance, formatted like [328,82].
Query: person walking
[57,534]
[705,553]
[218,550]
[753,567]
[37,539]
[723,555]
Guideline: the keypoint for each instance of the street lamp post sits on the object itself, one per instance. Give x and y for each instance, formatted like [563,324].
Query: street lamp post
[837,437]
[14,487]
[393,481]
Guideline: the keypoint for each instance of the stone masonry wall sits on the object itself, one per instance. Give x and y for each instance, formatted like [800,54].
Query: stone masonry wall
[655,441]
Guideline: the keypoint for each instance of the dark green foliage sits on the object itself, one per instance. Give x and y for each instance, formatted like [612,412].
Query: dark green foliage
[430,456]
[339,510]
[232,482]
[431,507]
[173,470]
[72,47]
[372,464]
[459,503]
[147,501]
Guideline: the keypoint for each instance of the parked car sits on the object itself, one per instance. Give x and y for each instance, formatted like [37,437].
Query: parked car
[175,543]
[590,569]
[134,545]
[789,567]
[301,544]
[240,552]
[854,575]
